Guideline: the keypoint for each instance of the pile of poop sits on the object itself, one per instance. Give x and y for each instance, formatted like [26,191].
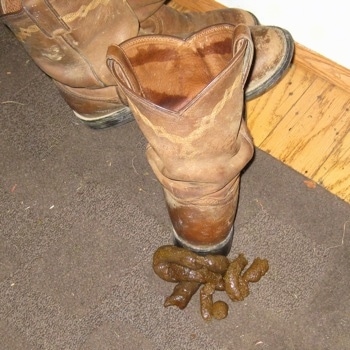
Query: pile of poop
[209,273]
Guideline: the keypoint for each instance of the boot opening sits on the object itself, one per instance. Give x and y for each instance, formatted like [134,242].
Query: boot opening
[171,73]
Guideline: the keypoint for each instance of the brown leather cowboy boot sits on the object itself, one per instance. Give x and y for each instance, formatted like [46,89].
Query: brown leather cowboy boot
[187,96]
[69,41]
[274,46]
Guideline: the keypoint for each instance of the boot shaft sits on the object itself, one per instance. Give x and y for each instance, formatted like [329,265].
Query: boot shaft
[187,97]
[68,39]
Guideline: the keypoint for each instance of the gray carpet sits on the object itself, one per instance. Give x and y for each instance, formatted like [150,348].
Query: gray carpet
[82,213]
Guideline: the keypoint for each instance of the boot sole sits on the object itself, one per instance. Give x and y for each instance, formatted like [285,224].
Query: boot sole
[280,72]
[116,118]
[222,248]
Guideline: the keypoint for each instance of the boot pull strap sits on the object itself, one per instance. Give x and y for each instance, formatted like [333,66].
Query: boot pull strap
[244,38]
[45,17]
[120,67]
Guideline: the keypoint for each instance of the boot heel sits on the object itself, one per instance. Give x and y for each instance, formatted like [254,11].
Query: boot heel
[96,108]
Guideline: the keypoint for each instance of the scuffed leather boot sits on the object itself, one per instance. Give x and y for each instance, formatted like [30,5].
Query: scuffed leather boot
[68,40]
[187,96]
[274,46]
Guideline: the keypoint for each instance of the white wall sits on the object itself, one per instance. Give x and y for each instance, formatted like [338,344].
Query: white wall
[322,26]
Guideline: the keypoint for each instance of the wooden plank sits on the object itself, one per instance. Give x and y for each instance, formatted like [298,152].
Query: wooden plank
[267,111]
[321,133]
[334,173]
[284,141]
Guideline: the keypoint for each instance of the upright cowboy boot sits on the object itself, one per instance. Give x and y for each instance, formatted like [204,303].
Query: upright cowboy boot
[187,96]
[274,46]
[68,40]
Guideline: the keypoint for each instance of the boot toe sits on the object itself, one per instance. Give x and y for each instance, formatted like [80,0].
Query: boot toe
[274,50]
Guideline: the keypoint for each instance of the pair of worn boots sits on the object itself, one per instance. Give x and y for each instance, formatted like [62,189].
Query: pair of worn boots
[183,76]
